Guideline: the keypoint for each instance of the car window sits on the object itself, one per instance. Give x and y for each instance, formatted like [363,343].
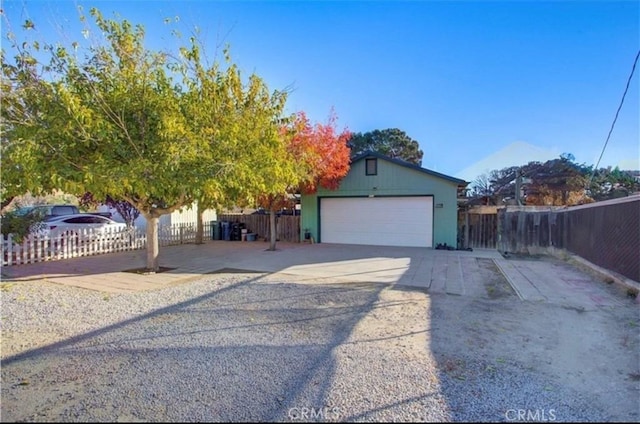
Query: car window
[63,210]
[24,210]
[96,220]
[85,220]
[76,220]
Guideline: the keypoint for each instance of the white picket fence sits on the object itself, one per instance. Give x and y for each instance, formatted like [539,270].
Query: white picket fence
[87,242]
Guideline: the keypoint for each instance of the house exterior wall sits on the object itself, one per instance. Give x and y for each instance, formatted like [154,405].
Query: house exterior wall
[391,180]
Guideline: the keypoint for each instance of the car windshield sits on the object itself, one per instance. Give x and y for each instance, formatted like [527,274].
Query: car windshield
[23,210]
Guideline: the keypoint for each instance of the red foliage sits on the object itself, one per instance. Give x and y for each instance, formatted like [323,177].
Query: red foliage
[322,150]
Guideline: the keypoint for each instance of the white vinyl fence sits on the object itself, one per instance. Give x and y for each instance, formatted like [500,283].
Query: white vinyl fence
[87,242]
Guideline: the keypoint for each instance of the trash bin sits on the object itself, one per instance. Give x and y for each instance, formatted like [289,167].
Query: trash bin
[236,230]
[226,230]
[215,230]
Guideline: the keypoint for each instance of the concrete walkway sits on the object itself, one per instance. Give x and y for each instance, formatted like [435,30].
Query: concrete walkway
[438,271]
[445,270]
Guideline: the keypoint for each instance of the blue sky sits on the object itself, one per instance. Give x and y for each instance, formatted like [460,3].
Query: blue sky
[464,79]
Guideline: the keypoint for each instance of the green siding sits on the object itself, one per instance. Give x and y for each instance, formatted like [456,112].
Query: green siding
[392,180]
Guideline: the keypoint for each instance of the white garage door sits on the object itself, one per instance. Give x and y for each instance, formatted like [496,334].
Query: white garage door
[383,221]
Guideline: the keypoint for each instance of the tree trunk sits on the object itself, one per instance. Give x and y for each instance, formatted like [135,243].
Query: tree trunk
[152,244]
[6,202]
[272,230]
[199,225]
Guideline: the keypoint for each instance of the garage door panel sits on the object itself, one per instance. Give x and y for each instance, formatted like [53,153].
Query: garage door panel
[385,221]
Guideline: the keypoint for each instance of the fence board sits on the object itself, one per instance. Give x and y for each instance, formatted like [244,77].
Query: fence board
[287,226]
[482,230]
[604,233]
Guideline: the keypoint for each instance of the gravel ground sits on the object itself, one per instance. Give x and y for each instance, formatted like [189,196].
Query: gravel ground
[250,347]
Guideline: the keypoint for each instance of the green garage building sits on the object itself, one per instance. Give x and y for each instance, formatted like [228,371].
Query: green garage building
[387,202]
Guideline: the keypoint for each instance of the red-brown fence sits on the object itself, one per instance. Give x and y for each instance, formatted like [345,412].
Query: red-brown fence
[287,226]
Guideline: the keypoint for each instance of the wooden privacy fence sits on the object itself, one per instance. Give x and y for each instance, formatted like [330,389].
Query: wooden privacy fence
[87,242]
[287,226]
[604,233]
[478,228]
[483,231]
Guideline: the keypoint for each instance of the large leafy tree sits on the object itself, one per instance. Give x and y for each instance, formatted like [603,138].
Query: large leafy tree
[556,182]
[21,171]
[240,123]
[116,119]
[390,142]
[320,158]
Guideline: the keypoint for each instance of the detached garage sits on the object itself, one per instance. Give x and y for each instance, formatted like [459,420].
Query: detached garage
[386,202]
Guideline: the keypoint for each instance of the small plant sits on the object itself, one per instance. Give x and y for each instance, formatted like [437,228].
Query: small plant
[20,225]
[6,286]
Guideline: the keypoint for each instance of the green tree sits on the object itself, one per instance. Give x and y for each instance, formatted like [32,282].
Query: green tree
[240,126]
[391,142]
[20,225]
[21,171]
[116,119]
[610,183]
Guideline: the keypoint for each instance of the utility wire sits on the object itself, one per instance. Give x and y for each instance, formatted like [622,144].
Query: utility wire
[635,62]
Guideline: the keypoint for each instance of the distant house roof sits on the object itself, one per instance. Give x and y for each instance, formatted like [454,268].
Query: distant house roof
[409,165]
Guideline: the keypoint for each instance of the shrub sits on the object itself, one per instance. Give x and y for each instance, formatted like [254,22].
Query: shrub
[20,225]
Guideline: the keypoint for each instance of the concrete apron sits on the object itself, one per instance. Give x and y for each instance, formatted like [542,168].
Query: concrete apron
[437,271]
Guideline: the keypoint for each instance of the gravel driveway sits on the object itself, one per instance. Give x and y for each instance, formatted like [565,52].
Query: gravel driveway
[258,347]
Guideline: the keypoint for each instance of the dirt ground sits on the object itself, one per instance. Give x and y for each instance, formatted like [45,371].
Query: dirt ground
[589,342]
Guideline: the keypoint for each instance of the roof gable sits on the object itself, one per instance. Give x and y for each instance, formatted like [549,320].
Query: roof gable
[370,154]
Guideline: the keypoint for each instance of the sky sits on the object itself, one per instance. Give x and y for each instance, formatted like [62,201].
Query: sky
[466,79]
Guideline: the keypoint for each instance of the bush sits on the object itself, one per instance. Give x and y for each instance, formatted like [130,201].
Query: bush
[20,225]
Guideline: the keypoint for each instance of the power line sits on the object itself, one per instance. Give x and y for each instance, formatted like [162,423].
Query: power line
[615,118]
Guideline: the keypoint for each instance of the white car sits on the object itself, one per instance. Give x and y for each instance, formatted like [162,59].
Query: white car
[94,225]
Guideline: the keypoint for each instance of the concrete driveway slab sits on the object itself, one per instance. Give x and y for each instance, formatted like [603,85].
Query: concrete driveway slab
[461,273]
[554,281]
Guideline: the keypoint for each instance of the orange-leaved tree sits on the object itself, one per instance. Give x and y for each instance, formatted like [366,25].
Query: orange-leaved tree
[321,157]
